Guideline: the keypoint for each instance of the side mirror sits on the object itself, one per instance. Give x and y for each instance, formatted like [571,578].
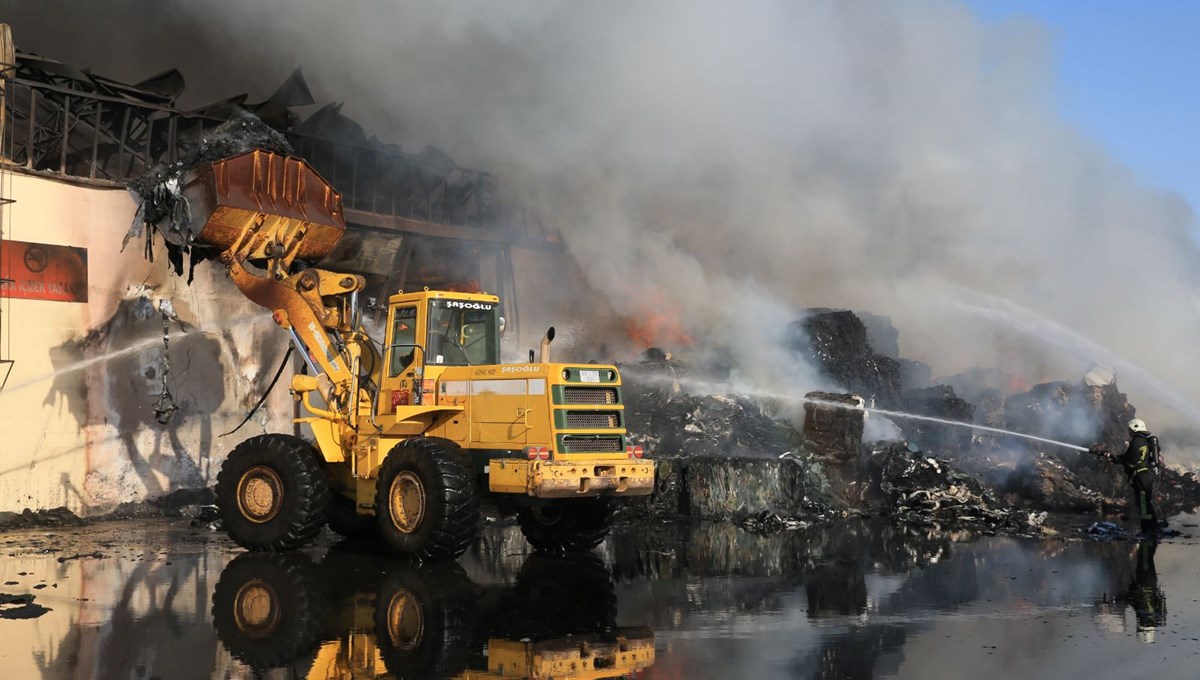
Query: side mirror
[502,327]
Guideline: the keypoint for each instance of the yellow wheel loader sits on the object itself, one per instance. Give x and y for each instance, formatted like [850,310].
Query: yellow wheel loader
[410,430]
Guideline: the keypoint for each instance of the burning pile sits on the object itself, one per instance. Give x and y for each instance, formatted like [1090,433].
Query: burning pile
[736,457]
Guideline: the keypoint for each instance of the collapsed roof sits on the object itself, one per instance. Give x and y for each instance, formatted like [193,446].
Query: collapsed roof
[72,122]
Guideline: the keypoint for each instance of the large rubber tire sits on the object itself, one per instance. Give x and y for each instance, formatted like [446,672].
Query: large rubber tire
[273,493]
[425,619]
[426,500]
[566,525]
[345,520]
[267,609]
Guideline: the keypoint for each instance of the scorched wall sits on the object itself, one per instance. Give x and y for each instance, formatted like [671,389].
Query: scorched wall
[77,415]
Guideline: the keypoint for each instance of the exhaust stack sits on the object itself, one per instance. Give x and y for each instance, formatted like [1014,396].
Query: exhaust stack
[546,340]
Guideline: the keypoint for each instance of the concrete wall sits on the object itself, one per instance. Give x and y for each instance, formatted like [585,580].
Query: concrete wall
[77,417]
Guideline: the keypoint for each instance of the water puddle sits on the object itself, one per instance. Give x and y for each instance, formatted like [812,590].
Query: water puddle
[855,599]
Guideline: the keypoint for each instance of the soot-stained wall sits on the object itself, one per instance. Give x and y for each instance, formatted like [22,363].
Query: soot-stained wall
[78,413]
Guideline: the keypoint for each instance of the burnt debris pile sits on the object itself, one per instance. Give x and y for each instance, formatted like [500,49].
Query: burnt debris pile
[779,462]
[914,486]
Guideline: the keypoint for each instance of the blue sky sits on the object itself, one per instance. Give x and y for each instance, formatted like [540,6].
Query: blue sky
[1128,74]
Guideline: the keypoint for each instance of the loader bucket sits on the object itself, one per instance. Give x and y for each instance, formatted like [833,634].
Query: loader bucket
[282,206]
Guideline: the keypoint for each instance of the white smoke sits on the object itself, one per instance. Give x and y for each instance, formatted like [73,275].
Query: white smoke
[744,160]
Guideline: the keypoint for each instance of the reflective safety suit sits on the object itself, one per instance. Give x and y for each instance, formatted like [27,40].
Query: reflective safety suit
[1137,463]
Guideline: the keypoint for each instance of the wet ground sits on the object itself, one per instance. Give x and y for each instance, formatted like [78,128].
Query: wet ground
[159,599]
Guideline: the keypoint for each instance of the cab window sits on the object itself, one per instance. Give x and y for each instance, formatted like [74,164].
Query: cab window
[463,333]
[404,337]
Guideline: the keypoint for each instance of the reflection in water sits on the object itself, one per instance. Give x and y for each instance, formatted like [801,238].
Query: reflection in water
[356,614]
[856,599]
[1142,593]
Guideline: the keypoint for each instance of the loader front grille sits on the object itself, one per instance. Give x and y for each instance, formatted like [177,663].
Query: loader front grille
[589,395]
[592,420]
[591,445]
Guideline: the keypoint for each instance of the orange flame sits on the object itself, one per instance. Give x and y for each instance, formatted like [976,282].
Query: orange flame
[660,326]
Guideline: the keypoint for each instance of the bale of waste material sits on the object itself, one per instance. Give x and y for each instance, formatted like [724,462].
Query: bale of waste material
[1076,413]
[724,488]
[1071,412]
[667,501]
[1100,375]
[989,408]
[833,425]
[837,342]
[938,402]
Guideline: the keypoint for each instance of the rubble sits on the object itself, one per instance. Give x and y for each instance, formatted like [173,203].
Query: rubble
[910,485]
[181,503]
[27,518]
[662,417]
[1045,483]
[939,402]
[97,555]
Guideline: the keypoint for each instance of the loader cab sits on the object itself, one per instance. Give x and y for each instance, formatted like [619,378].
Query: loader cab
[432,329]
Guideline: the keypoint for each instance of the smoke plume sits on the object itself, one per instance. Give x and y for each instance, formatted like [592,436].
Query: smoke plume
[735,162]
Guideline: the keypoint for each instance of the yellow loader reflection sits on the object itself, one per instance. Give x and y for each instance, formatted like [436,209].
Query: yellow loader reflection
[364,616]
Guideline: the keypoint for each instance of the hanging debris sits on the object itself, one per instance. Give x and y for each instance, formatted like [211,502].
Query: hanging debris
[165,408]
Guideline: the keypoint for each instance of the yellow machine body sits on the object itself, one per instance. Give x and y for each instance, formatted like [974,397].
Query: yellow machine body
[263,212]
[571,415]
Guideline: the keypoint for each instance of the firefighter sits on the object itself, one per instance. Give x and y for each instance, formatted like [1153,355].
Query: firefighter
[1140,461]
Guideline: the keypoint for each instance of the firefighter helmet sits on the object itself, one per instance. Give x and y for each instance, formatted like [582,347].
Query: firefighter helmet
[1137,425]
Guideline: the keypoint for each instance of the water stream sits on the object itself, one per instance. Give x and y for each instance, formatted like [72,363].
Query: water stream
[702,387]
[943,421]
[136,347]
[139,346]
[1008,314]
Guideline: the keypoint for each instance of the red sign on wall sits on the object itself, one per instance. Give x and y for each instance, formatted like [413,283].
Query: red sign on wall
[39,271]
